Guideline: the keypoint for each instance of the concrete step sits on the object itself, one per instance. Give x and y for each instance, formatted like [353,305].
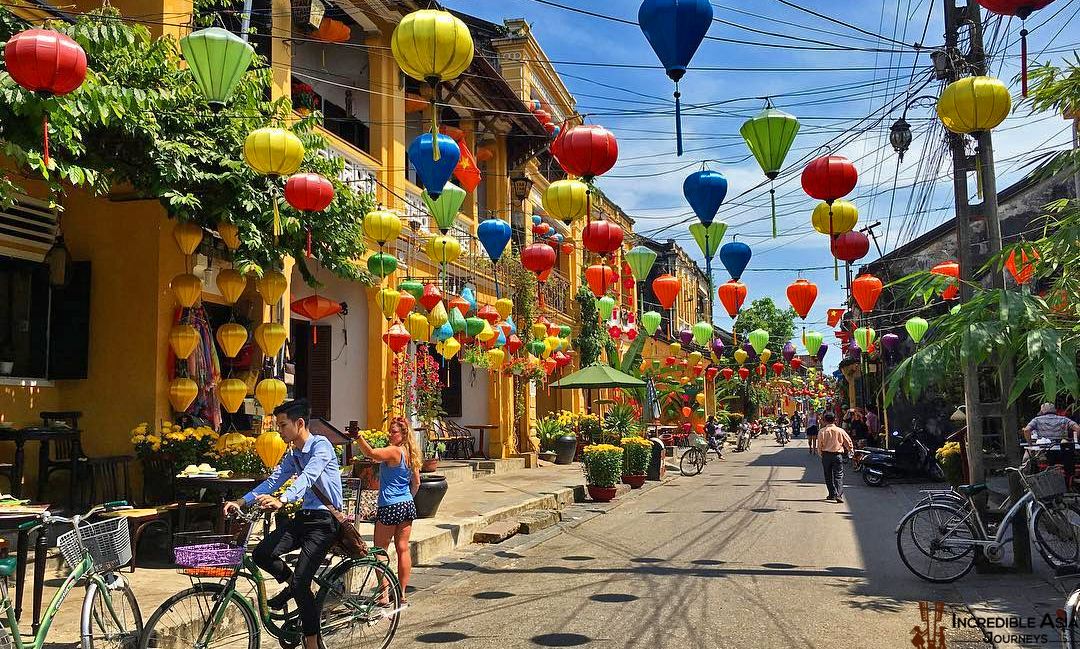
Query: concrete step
[535,521]
[455,471]
[496,532]
[500,466]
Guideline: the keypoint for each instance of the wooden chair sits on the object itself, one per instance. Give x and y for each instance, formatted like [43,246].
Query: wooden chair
[61,451]
[162,495]
[108,480]
[458,440]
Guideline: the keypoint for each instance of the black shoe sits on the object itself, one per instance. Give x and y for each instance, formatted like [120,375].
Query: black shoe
[277,602]
[838,499]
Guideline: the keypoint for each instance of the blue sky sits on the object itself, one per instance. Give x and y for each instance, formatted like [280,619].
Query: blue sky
[636,105]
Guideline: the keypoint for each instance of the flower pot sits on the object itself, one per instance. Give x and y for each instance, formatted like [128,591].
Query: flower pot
[548,456]
[432,489]
[601,494]
[428,465]
[368,473]
[565,448]
[635,481]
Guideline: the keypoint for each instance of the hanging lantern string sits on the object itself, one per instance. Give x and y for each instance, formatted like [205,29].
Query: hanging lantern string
[1023,63]
[434,81]
[678,121]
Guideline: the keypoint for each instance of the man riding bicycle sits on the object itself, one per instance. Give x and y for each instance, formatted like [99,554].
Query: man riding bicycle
[313,465]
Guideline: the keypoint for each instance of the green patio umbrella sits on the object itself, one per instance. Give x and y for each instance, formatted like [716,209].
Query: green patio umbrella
[597,377]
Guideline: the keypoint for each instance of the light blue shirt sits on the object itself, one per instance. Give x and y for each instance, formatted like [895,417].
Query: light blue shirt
[315,464]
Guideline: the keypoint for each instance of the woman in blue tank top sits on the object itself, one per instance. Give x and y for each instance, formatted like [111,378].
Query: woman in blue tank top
[399,478]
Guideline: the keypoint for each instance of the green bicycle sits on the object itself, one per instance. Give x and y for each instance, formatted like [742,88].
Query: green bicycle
[93,551]
[359,600]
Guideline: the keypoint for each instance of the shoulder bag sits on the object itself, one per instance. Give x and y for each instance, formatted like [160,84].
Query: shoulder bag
[348,542]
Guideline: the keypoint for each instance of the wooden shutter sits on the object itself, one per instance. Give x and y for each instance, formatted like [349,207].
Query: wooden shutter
[318,371]
[451,394]
[69,326]
[27,229]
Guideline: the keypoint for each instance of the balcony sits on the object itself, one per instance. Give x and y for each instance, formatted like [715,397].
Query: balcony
[556,293]
[359,169]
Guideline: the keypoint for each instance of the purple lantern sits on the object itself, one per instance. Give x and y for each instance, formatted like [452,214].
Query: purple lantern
[822,351]
[717,347]
[686,337]
[853,350]
[751,353]
[891,342]
[788,352]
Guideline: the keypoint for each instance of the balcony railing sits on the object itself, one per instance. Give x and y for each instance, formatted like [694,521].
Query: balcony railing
[357,173]
[556,293]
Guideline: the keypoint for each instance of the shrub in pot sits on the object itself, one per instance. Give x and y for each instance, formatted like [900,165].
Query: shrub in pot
[363,468]
[637,451]
[602,465]
[548,430]
[432,452]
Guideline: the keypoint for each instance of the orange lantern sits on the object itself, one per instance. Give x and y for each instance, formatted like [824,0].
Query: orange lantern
[1026,271]
[600,278]
[732,295]
[802,293]
[332,31]
[666,287]
[949,269]
[405,305]
[867,289]
[315,308]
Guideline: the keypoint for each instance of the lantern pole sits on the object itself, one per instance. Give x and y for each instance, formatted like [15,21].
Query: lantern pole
[245,25]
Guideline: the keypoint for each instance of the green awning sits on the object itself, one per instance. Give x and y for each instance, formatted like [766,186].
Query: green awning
[598,376]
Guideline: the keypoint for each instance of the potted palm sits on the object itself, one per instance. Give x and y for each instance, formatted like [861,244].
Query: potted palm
[548,430]
[622,420]
[602,465]
[637,451]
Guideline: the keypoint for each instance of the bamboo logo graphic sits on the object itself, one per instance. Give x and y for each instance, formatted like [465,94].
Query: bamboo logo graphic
[930,632]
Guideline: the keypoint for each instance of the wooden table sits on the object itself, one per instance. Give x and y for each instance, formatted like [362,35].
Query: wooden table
[222,486]
[480,429]
[12,521]
[20,436]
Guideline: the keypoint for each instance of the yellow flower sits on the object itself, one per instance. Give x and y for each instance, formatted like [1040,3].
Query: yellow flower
[155,447]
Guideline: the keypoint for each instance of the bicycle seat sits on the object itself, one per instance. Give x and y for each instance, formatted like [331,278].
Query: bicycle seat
[970,490]
[7,566]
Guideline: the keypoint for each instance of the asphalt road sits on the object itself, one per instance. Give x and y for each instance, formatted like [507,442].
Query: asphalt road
[747,554]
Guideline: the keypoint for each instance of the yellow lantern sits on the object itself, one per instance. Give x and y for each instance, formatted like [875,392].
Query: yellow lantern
[183,339]
[539,331]
[270,336]
[187,289]
[504,306]
[496,357]
[844,217]
[693,358]
[700,398]
[418,327]
[387,299]
[740,356]
[551,344]
[188,236]
[229,439]
[230,234]
[270,394]
[566,200]
[675,348]
[974,104]
[272,286]
[486,334]
[270,447]
[448,348]
[231,284]
[273,151]
[182,391]
[766,354]
[231,392]
[231,338]
[443,249]
[438,316]
[382,226]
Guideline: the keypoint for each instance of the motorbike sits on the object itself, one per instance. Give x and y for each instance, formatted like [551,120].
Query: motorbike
[743,441]
[783,434]
[910,459]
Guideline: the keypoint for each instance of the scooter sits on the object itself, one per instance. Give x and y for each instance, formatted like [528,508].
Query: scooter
[743,442]
[782,435]
[911,459]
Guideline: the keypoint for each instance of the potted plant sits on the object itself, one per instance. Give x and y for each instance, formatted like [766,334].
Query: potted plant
[433,450]
[637,451]
[548,431]
[602,465]
[948,456]
[238,456]
[367,470]
[622,420]
[7,360]
[305,101]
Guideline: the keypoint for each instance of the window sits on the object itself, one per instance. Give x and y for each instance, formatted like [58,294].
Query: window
[24,318]
[450,371]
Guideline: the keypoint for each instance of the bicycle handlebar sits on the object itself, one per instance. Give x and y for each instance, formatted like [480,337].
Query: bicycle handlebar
[48,518]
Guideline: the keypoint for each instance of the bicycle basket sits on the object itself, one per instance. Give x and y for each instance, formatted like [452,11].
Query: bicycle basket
[1047,484]
[108,542]
[202,550]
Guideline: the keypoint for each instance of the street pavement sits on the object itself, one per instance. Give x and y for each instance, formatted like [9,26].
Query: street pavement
[747,554]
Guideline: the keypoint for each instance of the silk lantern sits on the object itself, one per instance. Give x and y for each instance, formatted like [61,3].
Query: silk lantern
[387,299]
[693,358]
[686,336]
[788,352]
[1022,9]
[778,368]
[769,136]
[406,302]
[974,104]
[766,354]
[274,152]
[182,392]
[460,304]
[949,269]
[488,313]
[315,308]
[717,347]
[188,236]
[890,342]
[187,288]
[218,59]
[382,264]
[270,393]
[309,192]
[708,238]
[494,234]
[703,332]
[448,348]
[270,337]
[434,164]
[430,296]
[916,328]
[600,278]
[586,151]
[602,237]
[840,217]
[271,286]
[866,289]
[864,337]
[445,207]
[382,226]
[418,326]
[270,447]
[1026,270]
[735,255]
[850,246]
[443,249]
[566,200]
[740,356]
[606,306]
[801,294]
[440,315]
[829,177]
[641,260]
[230,284]
[504,306]
[727,373]
[759,338]
[650,321]
[183,339]
[231,338]
[231,393]
[413,287]
[813,341]
[796,363]
[744,373]
[666,288]
[397,338]
[705,191]
[732,295]
[230,235]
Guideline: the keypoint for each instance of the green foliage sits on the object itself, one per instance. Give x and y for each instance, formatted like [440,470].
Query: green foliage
[591,338]
[140,125]
[734,419]
[764,314]
[602,465]
[621,420]
[637,452]
[548,429]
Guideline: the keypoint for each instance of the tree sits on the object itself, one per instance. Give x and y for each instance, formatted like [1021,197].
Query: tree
[592,338]
[764,314]
[139,122]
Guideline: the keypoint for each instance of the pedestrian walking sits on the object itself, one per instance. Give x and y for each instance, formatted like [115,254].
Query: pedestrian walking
[313,465]
[399,480]
[873,424]
[812,432]
[835,445]
[796,424]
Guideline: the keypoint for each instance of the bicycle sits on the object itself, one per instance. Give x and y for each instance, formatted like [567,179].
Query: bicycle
[93,552]
[359,600]
[945,531]
[696,457]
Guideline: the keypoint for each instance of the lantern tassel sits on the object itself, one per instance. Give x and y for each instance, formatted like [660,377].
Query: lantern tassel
[835,270]
[308,245]
[772,200]
[434,121]
[277,221]
[45,135]
[678,121]
[1023,62]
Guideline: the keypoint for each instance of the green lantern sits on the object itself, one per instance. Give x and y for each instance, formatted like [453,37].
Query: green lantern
[702,333]
[813,340]
[606,305]
[759,340]
[864,337]
[916,328]
[650,321]
[445,207]
[456,320]
[536,347]
[564,331]
[769,136]
[382,264]
[218,59]
[412,287]
[473,325]
[708,237]
[640,259]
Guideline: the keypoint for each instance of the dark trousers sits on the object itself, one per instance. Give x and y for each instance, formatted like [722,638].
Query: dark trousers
[833,464]
[312,531]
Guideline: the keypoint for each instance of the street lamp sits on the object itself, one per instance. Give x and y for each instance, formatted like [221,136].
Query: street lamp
[900,137]
[521,185]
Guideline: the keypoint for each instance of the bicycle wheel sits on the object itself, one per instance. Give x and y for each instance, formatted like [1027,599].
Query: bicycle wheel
[360,604]
[110,618]
[184,617]
[1056,530]
[690,463]
[937,542]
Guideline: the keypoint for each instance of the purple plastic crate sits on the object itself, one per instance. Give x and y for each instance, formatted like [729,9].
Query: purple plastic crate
[208,554]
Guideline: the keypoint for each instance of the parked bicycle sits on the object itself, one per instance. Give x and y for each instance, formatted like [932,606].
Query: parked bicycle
[695,458]
[93,551]
[359,600]
[939,539]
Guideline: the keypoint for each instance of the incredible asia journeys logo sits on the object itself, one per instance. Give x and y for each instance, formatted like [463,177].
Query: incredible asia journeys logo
[996,629]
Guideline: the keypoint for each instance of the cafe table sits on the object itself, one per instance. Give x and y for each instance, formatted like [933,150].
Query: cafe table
[225,488]
[43,436]
[15,518]
[480,429]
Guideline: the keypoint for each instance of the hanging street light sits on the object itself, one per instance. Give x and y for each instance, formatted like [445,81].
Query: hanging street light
[900,137]
[521,185]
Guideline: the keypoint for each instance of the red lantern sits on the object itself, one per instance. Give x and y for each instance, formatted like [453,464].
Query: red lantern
[430,297]
[405,304]
[829,178]
[48,63]
[541,229]
[711,373]
[761,371]
[542,116]
[397,338]
[802,293]
[1026,271]
[538,258]
[670,361]
[315,308]
[796,363]
[948,269]
[666,288]
[552,328]
[587,150]
[602,237]
[727,373]
[513,344]
[488,312]
[686,411]
[549,365]
[744,373]
[600,278]
[850,246]
[1021,9]
[778,368]
[309,192]
[867,289]
[834,316]
[461,304]
[567,248]
[732,295]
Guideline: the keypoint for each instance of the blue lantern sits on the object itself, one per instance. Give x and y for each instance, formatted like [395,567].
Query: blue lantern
[434,174]
[558,237]
[494,234]
[469,295]
[705,191]
[536,219]
[513,325]
[675,29]
[444,331]
[735,255]
[501,340]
